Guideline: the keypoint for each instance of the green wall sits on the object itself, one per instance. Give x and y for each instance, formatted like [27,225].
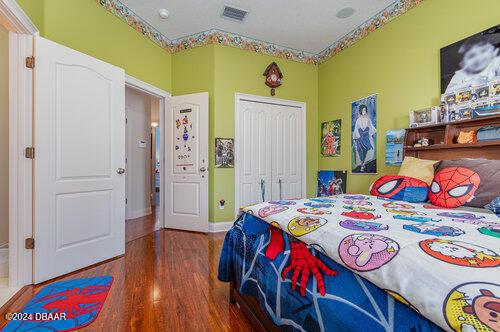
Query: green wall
[223,71]
[85,26]
[400,62]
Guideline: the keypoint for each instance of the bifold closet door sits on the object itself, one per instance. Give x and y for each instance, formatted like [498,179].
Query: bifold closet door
[256,126]
[286,152]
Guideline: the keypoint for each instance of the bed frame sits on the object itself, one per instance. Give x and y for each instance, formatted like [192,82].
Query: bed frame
[445,147]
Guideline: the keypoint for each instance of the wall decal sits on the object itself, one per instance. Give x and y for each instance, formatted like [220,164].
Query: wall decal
[364,140]
[330,138]
[215,36]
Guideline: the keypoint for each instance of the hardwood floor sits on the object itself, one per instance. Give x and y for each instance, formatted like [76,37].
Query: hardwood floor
[167,281]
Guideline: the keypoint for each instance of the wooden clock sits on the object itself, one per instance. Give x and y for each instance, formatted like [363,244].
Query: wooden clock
[273,77]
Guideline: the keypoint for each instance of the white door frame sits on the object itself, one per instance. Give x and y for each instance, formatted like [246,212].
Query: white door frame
[21,34]
[238,98]
[143,87]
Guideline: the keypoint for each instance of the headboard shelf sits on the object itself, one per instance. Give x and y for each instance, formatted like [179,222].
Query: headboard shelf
[443,137]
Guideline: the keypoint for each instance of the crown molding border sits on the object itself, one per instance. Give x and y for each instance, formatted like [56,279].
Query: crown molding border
[216,36]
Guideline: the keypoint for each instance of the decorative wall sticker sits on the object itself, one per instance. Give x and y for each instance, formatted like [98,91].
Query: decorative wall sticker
[185,160]
[215,36]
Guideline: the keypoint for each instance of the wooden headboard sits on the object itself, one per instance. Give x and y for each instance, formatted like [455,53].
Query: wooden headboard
[444,141]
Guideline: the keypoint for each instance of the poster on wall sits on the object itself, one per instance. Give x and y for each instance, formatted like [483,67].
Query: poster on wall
[331,183]
[364,140]
[330,138]
[472,61]
[394,140]
[224,153]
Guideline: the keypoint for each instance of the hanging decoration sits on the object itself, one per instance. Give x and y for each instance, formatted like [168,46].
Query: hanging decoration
[273,76]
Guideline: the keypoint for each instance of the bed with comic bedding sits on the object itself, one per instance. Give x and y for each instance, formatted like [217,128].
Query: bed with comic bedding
[366,263]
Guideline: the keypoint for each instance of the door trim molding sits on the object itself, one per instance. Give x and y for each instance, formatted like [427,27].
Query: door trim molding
[15,19]
[162,95]
[238,98]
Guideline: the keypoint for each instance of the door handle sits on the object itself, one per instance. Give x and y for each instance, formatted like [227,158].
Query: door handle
[120,170]
[202,169]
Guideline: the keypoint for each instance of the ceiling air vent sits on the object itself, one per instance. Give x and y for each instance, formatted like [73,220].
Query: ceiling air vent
[234,14]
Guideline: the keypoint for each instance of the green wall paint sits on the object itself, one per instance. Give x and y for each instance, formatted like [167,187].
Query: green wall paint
[86,27]
[400,62]
[223,71]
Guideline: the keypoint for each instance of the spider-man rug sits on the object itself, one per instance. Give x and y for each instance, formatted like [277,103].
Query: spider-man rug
[63,306]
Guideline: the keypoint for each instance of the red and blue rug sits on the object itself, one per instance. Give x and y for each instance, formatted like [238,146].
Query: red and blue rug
[63,306]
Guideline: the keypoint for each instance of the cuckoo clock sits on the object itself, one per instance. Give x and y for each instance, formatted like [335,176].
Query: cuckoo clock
[273,77]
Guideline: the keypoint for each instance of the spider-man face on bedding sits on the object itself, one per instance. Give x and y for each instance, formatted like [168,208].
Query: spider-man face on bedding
[400,188]
[454,186]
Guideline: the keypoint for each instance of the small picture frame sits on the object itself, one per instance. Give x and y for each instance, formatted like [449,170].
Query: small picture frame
[224,152]
[424,117]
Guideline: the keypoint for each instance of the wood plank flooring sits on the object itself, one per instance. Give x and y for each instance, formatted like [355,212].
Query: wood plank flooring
[167,281]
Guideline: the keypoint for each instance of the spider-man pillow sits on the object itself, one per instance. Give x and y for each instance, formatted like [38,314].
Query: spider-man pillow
[403,188]
[453,187]
[482,175]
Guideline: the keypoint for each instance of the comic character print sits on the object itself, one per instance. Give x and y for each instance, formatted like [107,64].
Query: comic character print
[415,218]
[366,252]
[283,202]
[357,202]
[473,306]
[428,228]
[356,197]
[460,253]
[400,188]
[434,207]
[398,205]
[403,212]
[303,225]
[453,187]
[358,225]
[318,205]
[322,200]
[491,230]
[384,199]
[358,208]
[460,215]
[360,215]
[302,261]
[401,299]
[313,211]
[271,209]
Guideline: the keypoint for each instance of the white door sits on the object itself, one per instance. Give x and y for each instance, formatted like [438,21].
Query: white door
[79,162]
[186,162]
[286,154]
[255,152]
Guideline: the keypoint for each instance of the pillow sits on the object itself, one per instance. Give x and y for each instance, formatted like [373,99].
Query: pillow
[470,182]
[402,188]
[421,169]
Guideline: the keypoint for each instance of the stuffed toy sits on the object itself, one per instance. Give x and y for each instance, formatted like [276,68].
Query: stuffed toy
[402,188]
[453,187]
[466,137]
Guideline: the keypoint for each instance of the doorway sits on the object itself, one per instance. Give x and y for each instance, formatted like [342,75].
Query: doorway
[142,127]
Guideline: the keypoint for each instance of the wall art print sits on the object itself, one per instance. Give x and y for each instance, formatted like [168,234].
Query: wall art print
[394,140]
[224,152]
[364,140]
[330,138]
[331,183]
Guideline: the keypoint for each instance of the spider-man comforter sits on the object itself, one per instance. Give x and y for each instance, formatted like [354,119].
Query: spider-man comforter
[441,263]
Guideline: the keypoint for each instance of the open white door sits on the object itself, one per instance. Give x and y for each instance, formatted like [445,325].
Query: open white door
[79,163]
[186,162]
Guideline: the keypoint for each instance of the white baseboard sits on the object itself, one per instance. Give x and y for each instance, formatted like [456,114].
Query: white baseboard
[216,227]
[139,213]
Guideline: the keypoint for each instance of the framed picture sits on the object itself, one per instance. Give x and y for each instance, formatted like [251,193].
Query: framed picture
[472,61]
[331,183]
[330,138]
[364,140]
[424,117]
[394,140]
[224,152]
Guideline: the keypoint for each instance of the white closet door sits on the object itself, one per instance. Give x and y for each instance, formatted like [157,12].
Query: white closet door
[286,152]
[255,123]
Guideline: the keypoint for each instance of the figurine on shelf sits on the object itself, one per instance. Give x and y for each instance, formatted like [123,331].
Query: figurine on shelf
[422,142]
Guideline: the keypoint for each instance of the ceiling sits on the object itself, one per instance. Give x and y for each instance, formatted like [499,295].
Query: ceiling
[309,26]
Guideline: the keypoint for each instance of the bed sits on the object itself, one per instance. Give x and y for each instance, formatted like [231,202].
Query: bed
[358,262]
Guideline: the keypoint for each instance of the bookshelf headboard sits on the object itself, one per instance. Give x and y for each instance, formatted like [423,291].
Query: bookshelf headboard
[444,140]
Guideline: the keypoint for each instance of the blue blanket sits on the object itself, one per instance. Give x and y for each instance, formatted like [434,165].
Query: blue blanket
[349,303]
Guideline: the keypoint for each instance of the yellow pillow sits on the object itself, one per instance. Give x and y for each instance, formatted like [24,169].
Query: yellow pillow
[422,169]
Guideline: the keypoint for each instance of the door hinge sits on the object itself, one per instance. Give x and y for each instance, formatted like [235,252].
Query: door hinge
[30,62]
[29,243]
[29,152]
